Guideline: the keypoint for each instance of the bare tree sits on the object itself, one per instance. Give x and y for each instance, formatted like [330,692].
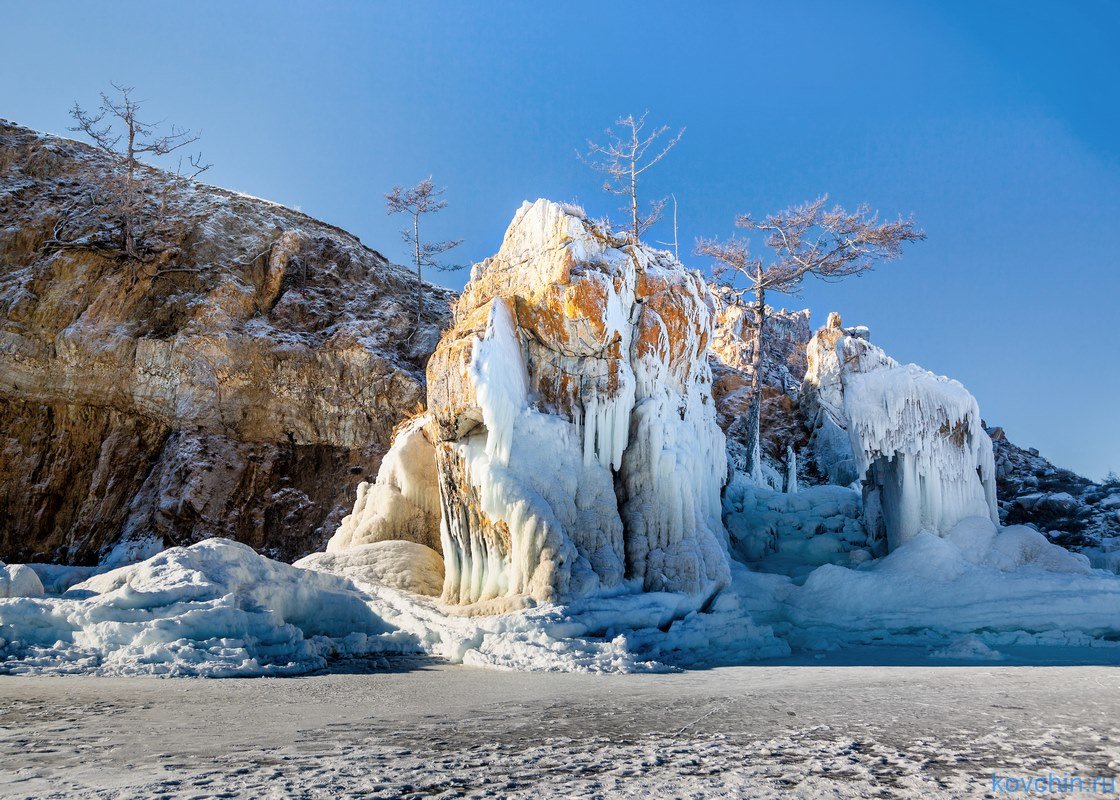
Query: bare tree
[804,240]
[117,130]
[624,159]
[423,198]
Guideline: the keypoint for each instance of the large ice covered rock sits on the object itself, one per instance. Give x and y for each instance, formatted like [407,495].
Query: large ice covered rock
[576,439]
[914,439]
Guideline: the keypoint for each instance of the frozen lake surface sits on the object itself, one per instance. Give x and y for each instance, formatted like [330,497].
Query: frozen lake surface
[427,729]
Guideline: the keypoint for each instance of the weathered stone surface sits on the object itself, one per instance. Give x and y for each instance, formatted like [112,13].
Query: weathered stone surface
[784,341]
[573,421]
[241,394]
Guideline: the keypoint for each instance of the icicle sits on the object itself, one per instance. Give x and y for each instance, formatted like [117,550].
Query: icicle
[501,384]
[918,438]
[791,470]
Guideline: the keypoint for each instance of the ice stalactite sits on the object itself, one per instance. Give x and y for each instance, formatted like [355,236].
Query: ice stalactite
[791,471]
[497,373]
[677,461]
[914,439]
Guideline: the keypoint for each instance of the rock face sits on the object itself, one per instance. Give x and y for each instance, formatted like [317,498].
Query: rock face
[916,439]
[234,385]
[573,421]
[784,341]
[1071,510]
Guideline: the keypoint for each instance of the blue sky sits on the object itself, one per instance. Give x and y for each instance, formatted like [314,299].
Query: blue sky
[996,123]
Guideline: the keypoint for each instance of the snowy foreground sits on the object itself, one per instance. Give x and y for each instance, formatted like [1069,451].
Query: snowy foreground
[447,731]
[219,609]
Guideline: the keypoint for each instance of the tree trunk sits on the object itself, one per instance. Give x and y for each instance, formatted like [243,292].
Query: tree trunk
[634,202]
[419,273]
[754,415]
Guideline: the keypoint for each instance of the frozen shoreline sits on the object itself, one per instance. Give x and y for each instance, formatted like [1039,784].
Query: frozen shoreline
[428,728]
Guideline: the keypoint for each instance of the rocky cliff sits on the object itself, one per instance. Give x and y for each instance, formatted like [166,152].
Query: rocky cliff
[239,382]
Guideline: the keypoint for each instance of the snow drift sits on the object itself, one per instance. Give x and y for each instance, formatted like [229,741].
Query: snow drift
[213,609]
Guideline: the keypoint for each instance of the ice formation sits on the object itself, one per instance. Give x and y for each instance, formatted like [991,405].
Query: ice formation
[403,565]
[219,609]
[19,580]
[575,433]
[1006,586]
[403,503]
[213,609]
[913,438]
[794,532]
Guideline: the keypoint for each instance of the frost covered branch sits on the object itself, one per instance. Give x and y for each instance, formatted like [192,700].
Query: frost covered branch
[803,240]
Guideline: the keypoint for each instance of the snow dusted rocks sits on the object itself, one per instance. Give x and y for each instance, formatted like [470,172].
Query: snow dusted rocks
[575,433]
[232,386]
[914,439]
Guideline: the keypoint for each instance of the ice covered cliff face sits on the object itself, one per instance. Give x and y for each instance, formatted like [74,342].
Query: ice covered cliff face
[575,433]
[914,439]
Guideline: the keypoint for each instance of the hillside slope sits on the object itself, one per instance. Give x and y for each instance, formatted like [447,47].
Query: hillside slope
[238,383]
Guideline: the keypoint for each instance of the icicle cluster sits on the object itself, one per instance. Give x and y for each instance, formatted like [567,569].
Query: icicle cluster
[913,439]
[582,449]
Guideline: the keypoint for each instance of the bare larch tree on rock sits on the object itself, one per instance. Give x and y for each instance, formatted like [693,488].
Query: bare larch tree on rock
[130,197]
[625,157]
[423,198]
[809,239]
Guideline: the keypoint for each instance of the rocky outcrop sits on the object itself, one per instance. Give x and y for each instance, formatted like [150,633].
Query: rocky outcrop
[573,423]
[784,341]
[915,439]
[238,383]
[1071,510]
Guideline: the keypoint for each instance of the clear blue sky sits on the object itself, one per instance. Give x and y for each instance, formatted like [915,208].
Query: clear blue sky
[996,123]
